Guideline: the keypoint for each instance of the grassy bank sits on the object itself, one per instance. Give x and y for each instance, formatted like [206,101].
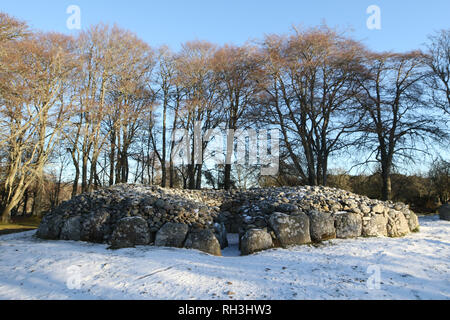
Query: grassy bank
[19,224]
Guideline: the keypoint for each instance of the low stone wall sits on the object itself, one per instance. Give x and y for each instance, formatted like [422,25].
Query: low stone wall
[128,215]
[303,215]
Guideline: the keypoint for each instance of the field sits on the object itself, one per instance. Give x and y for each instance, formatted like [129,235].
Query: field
[414,267]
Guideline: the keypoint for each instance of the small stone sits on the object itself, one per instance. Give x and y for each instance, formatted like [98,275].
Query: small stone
[378,208]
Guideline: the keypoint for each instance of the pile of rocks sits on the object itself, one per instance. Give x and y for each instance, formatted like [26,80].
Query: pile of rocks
[301,215]
[129,215]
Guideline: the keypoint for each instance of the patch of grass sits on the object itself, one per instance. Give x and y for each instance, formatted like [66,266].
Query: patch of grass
[19,224]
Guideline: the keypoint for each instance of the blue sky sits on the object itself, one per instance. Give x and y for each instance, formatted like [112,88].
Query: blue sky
[405,24]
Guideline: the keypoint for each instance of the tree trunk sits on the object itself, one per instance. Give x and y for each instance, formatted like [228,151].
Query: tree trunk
[163,155]
[171,174]
[229,153]
[386,190]
[25,203]
[198,184]
[227,177]
[112,159]
[92,174]
[38,200]
[325,170]
[75,182]
[6,215]
[191,176]
[84,177]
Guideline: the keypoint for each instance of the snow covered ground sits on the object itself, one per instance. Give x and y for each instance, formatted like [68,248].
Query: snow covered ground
[414,267]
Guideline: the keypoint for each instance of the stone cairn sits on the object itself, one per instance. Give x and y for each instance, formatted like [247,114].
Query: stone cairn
[128,215]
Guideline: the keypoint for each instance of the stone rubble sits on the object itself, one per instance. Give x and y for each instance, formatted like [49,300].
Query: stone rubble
[128,215]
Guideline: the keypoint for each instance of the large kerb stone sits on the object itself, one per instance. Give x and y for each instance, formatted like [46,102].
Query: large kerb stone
[171,235]
[290,229]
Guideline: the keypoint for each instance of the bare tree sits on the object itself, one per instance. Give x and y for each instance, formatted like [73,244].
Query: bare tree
[309,85]
[167,92]
[238,69]
[131,99]
[112,93]
[397,122]
[438,60]
[196,76]
[32,119]
[112,106]
[439,175]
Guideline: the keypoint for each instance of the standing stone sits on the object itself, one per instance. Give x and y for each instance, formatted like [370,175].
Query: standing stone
[255,240]
[290,230]
[130,232]
[203,240]
[321,226]
[444,212]
[171,235]
[348,225]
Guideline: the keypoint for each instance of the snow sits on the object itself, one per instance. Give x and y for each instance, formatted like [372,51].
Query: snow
[233,246]
[414,267]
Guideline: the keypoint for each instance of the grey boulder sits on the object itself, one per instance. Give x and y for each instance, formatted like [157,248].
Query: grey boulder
[255,240]
[95,227]
[129,232]
[290,230]
[397,225]
[203,240]
[413,220]
[375,226]
[71,229]
[171,235]
[321,225]
[348,225]
[378,208]
[50,227]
